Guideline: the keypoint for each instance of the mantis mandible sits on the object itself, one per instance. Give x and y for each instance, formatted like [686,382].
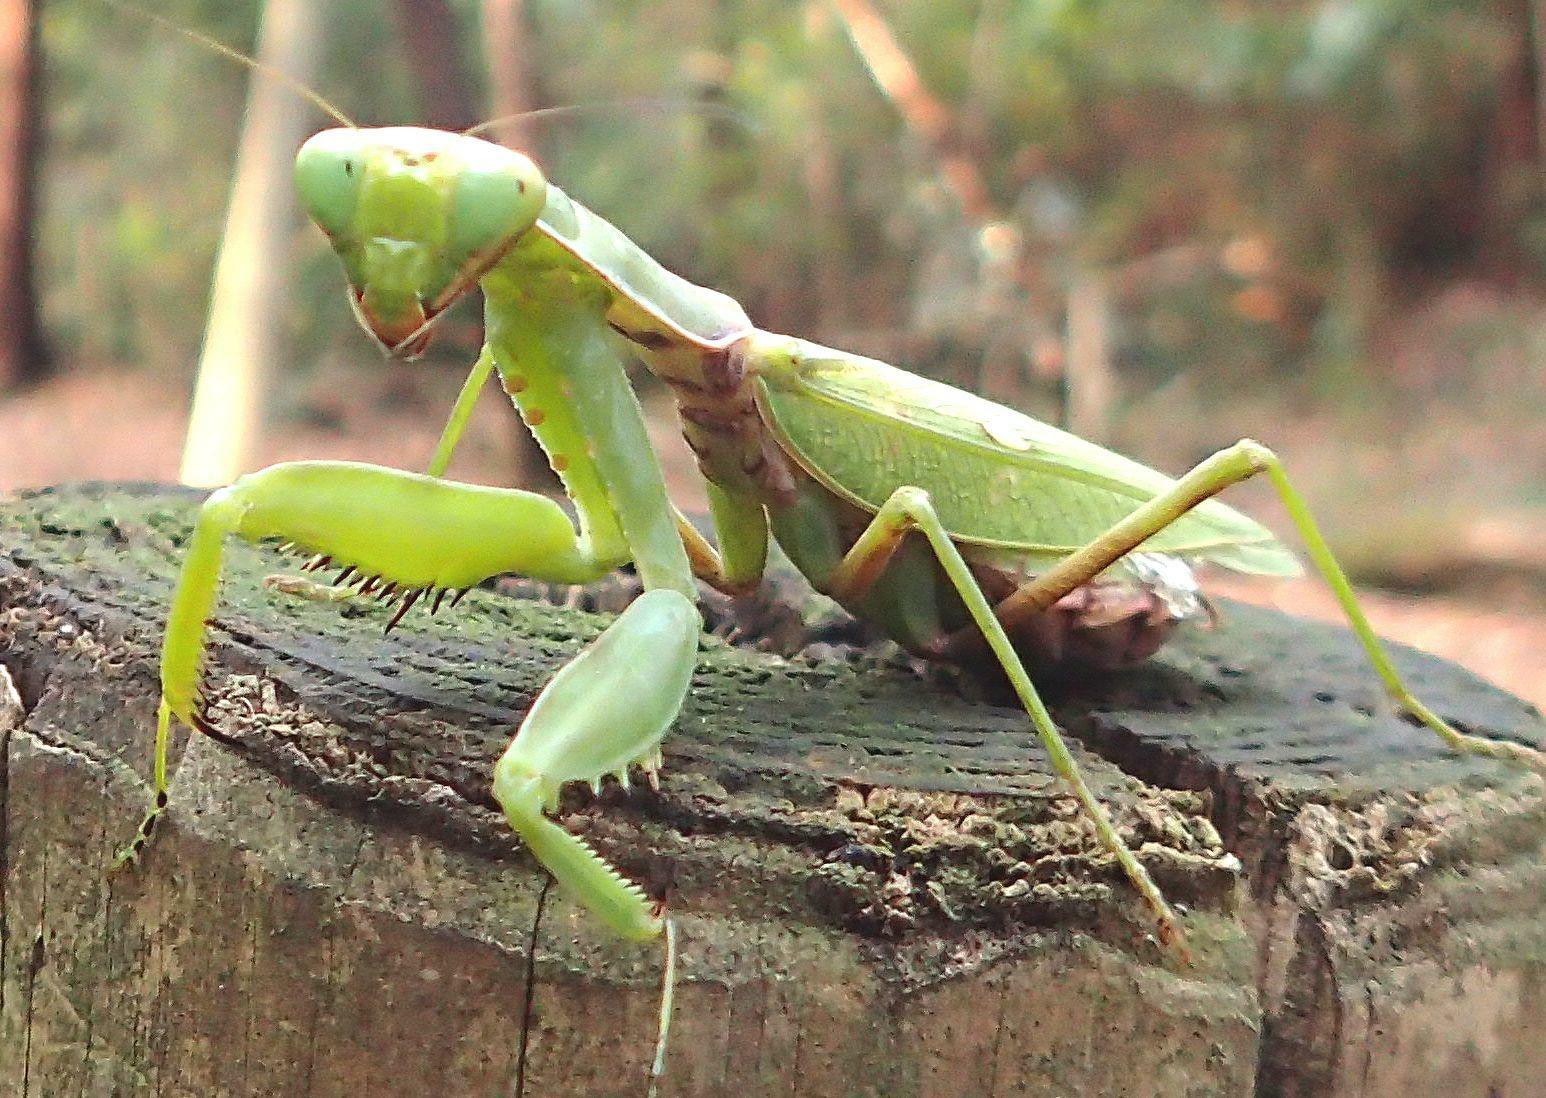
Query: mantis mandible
[965,530]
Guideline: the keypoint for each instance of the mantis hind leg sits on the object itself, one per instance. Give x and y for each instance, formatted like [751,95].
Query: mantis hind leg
[1230,466]
[908,509]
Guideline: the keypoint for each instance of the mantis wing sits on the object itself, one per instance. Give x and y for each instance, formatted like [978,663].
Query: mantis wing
[997,478]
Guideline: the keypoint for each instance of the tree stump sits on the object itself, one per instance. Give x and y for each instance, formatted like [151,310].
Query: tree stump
[881,890]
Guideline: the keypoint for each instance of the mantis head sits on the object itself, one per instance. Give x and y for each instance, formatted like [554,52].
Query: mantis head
[417,216]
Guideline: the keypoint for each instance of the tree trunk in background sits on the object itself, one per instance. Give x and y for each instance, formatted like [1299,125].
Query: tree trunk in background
[23,355]
[246,311]
[1536,26]
[1088,382]
[509,76]
[509,93]
[430,48]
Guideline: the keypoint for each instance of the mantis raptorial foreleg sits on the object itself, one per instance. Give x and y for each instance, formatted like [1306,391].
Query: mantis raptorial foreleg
[416,534]
[461,412]
[909,509]
[405,535]
[606,710]
[1230,466]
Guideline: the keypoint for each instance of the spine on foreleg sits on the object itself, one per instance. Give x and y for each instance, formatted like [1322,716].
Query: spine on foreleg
[585,876]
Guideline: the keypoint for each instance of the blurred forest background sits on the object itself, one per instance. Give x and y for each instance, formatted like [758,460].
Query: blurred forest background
[1166,224]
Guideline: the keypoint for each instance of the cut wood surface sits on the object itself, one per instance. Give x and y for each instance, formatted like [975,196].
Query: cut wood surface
[881,889]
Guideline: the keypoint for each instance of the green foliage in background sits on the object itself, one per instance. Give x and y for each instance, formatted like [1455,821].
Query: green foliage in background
[1293,172]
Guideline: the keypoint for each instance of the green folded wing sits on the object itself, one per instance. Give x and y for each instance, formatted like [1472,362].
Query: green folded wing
[998,478]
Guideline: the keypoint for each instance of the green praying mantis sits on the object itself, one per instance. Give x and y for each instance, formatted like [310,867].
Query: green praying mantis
[905,500]
[968,532]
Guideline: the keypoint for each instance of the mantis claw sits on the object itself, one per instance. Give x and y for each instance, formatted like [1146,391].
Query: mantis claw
[605,711]
[396,535]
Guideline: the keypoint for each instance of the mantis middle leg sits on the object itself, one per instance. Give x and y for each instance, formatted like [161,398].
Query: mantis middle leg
[461,412]
[741,527]
[404,536]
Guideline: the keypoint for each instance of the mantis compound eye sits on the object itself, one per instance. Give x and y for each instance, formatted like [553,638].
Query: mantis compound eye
[497,197]
[327,177]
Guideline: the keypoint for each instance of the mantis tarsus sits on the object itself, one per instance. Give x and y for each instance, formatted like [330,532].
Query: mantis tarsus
[965,530]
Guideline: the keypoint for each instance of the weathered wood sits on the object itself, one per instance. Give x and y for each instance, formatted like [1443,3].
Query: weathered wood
[881,889]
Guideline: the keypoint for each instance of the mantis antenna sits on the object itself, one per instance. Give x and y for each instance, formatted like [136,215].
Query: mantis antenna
[641,103]
[317,100]
[214,44]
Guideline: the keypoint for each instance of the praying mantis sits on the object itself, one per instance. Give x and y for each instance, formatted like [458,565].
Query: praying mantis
[968,532]
[965,530]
